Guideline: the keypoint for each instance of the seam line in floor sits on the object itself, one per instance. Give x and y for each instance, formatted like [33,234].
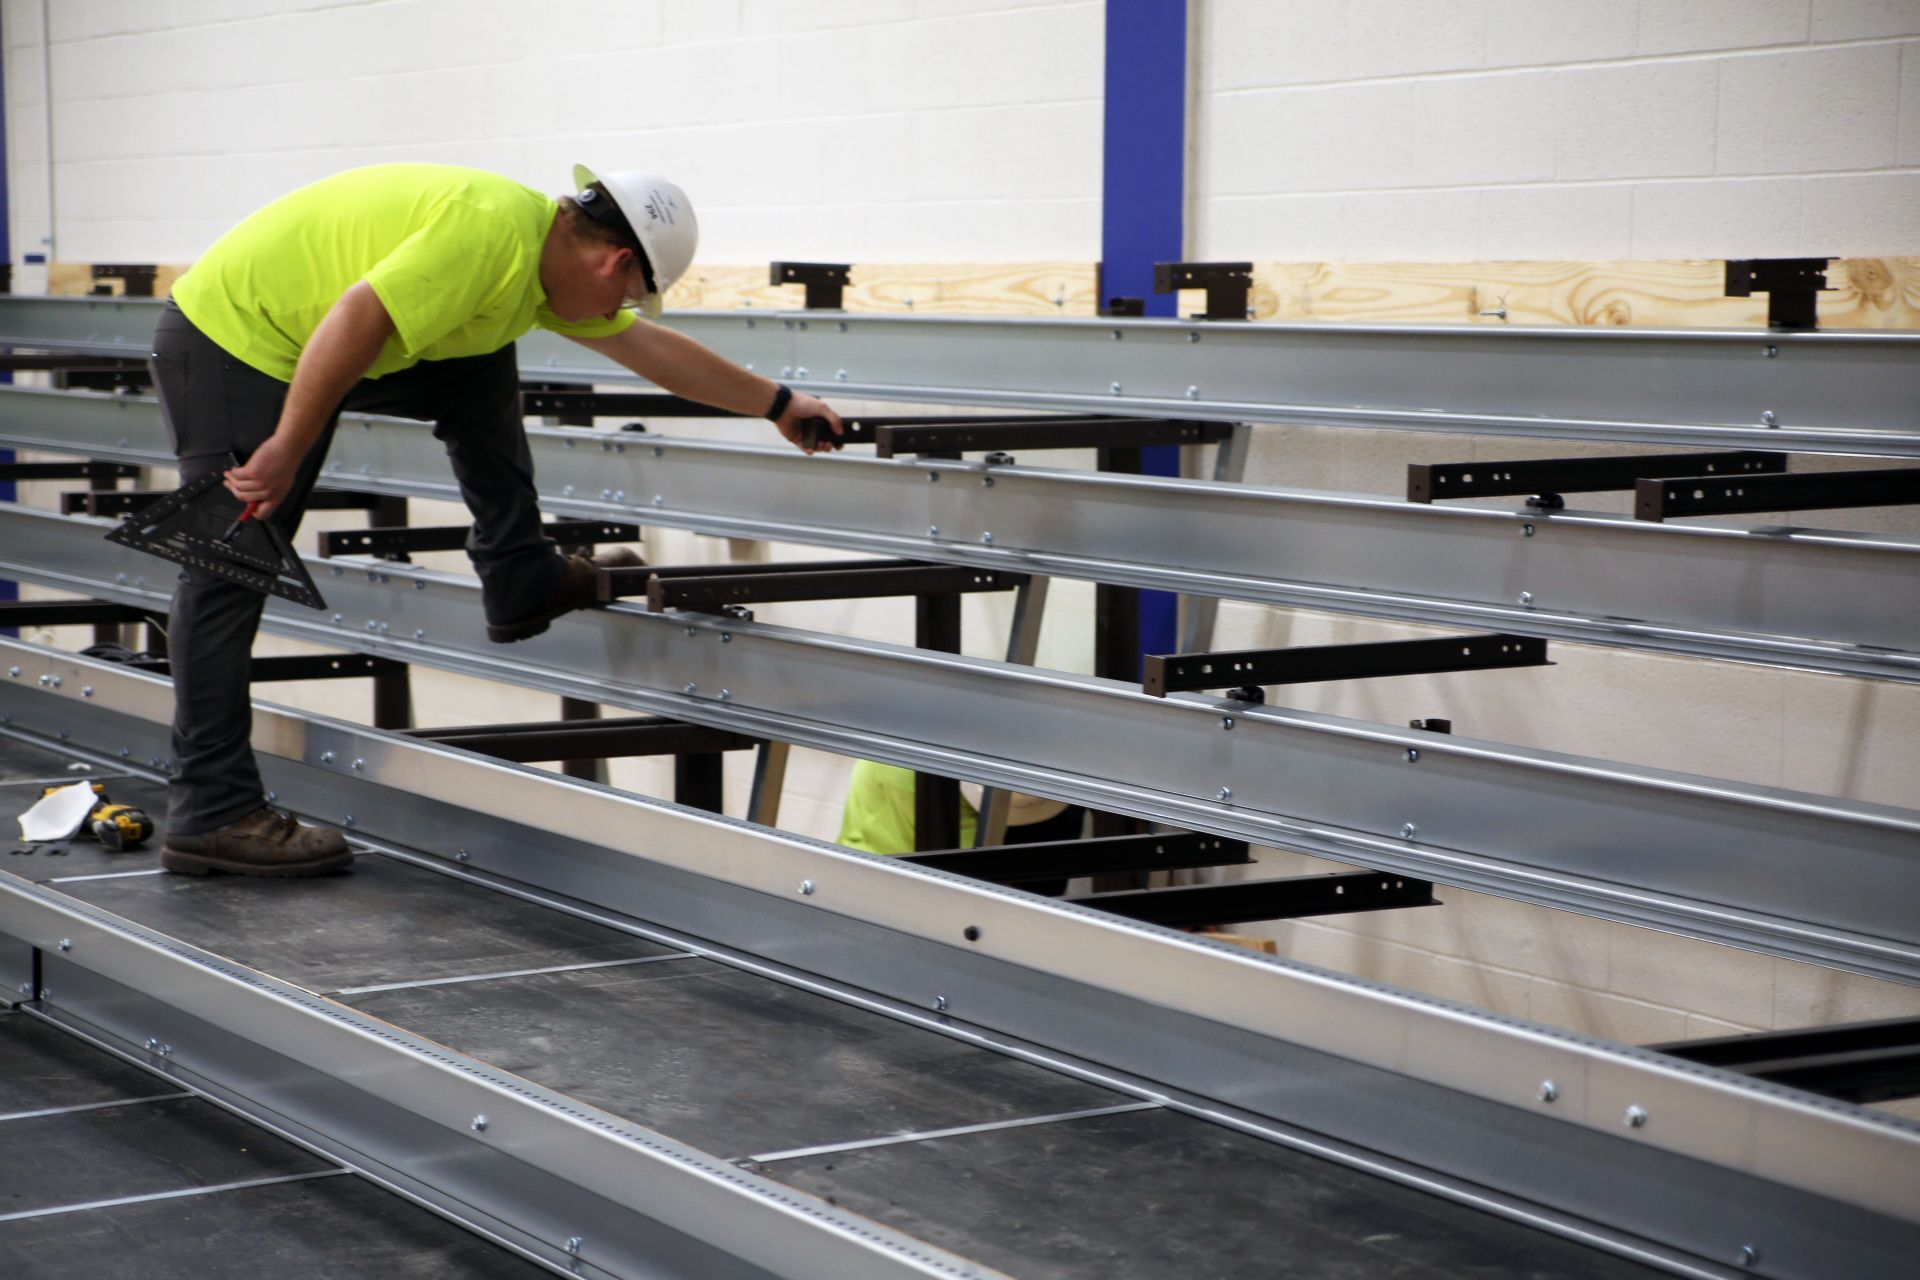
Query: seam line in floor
[170,1195]
[108,875]
[91,1106]
[991,1126]
[511,973]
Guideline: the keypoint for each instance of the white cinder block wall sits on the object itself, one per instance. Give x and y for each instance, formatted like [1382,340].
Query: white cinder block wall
[969,131]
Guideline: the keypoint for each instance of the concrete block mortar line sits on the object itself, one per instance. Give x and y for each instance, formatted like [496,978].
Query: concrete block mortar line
[1697,55]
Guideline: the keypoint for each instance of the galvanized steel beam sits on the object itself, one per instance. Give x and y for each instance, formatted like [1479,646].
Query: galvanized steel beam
[1814,599]
[1451,1099]
[1715,859]
[1851,392]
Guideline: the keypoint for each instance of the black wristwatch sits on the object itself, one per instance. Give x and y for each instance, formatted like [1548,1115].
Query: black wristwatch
[781,399]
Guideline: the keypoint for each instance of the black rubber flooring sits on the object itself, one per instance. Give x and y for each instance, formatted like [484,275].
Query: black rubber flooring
[41,1068]
[383,922]
[324,1229]
[328,1227]
[1151,1195]
[730,1062]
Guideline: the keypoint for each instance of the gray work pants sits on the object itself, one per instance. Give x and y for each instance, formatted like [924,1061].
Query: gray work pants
[216,405]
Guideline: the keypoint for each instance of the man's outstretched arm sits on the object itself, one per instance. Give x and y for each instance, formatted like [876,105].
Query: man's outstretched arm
[340,352]
[677,363]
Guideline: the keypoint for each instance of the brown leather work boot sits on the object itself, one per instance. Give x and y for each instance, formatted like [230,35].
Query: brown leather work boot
[266,842]
[574,590]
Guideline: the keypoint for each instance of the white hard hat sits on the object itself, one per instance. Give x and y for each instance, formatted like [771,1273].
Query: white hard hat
[660,217]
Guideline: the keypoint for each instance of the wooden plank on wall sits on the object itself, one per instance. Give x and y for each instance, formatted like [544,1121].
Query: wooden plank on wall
[1868,293]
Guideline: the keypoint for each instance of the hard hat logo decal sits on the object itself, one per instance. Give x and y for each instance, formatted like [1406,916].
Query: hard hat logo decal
[659,207]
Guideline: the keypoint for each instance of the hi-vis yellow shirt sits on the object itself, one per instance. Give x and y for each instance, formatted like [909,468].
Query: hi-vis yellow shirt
[453,253]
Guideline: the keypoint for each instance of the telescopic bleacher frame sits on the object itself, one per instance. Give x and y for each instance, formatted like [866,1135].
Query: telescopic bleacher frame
[1701,856]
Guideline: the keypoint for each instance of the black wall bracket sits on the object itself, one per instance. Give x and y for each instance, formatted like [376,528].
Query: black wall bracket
[825,282]
[1800,491]
[406,539]
[1228,285]
[712,588]
[1195,906]
[1792,286]
[137,279]
[1106,855]
[1173,673]
[1545,479]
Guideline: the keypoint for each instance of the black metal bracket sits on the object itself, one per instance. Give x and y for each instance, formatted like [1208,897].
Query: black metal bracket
[588,739]
[1432,724]
[579,406]
[1801,491]
[1792,286]
[1228,285]
[136,279]
[1162,674]
[406,539]
[956,436]
[1194,906]
[1545,479]
[96,472]
[1106,855]
[826,282]
[714,587]
[118,502]
[69,613]
[1124,308]
[1861,1062]
[295,666]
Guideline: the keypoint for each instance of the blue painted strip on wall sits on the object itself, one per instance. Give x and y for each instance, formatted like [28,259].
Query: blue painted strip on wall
[9,590]
[1143,197]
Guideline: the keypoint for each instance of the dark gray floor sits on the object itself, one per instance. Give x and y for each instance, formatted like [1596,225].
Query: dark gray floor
[1154,1195]
[25,760]
[326,1229]
[726,1061]
[329,1227]
[383,922]
[135,1149]
[39,1069]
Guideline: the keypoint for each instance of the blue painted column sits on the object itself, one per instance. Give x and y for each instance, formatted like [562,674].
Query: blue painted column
[1143,197]
[8,589]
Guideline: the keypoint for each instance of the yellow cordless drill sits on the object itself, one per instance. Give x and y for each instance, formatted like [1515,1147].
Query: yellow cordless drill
[117,826]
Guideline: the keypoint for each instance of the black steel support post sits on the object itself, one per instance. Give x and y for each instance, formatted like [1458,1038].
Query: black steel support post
[1199,905]
[1116,656]
[1792,286]
[936,800]
[1006,437]
[1065,859]
[1863,1062]
[1228,285]
[588,767]
[699,781]
[392,689]
[1800,491]
[825,282]
[1178,672]
[1546,478]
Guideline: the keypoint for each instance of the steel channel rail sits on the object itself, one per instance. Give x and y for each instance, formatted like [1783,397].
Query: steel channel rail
[1449,1098]
[1706,857]
[1848,392]
[1818,600]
